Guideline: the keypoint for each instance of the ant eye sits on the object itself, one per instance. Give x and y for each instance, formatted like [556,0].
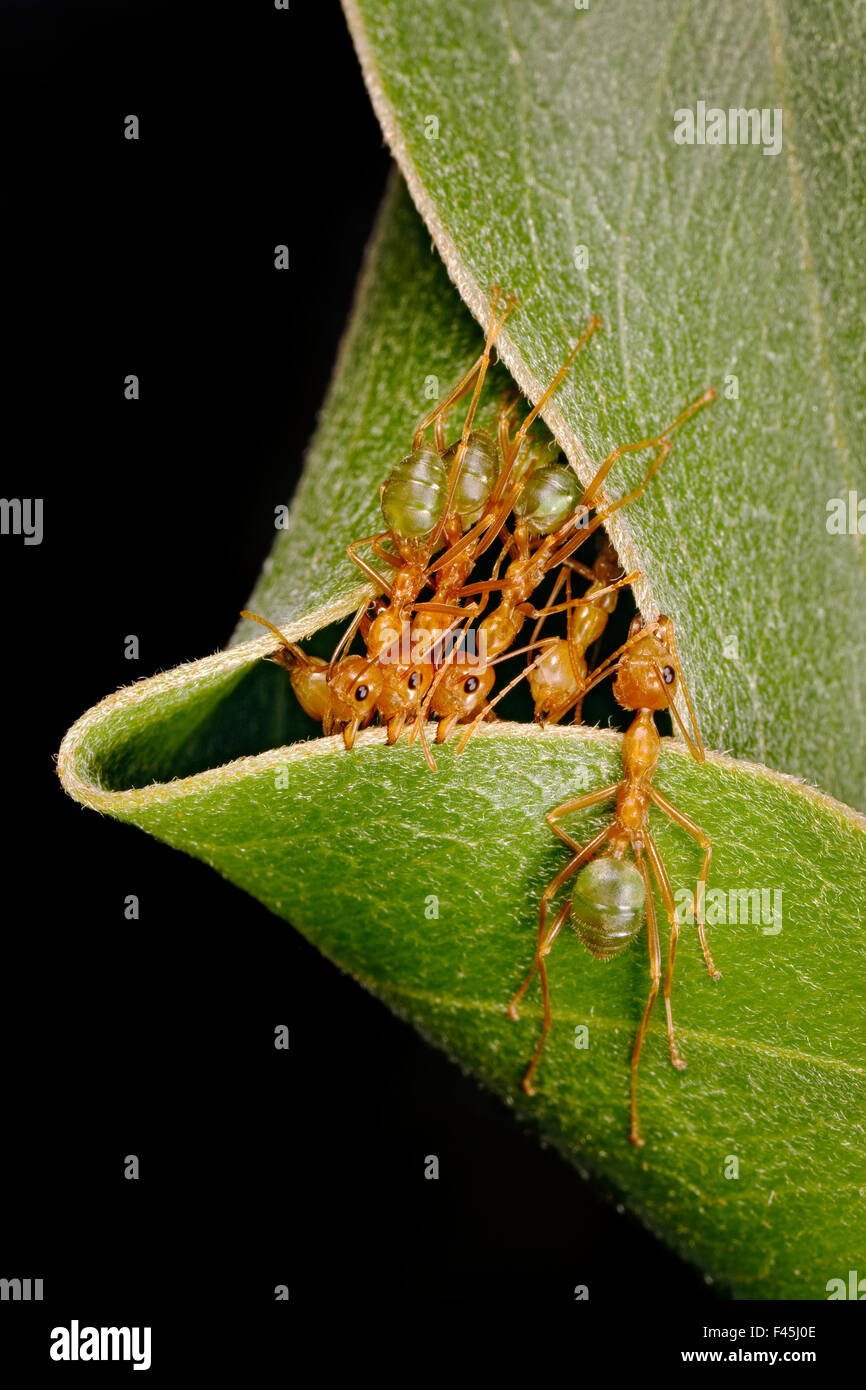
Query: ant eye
[362,692]
[471,685]
[668,675]
[414,680]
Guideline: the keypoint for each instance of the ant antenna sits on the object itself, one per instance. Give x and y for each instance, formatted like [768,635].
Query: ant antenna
[348,635]
[293,647]
[694,744]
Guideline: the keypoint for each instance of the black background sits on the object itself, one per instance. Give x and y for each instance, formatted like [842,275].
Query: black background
[155,1037]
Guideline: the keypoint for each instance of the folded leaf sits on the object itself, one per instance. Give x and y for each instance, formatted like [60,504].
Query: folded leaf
[539,145]
[425,886]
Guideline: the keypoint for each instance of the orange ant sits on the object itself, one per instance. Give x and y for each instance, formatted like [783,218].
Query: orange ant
[546,508]
[562,665]
[555,675]
[419,499]
[611,895]
[454,566]
[422,501]
[344,698]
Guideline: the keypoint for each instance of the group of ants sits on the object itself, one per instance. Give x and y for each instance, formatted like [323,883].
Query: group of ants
[444,507]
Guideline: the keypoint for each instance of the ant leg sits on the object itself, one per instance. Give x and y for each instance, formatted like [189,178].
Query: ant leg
[579,803]
[510,544]
[480,607]
[586,528]
[561,915]
[517,442]
[347,637]
[585,571]
[510,402]
[351,551]
[457,464]
[654,442]
[392,560]
[485,713]
[437,414]
[450,609]
[395,727]
[529,611]
[701,889]
[666,891]
[442,410]
[484,586]
[504,440]
[562,578]
[591,663]
[580,857]
[655,980]
[694,743]
[458,392]
[516,547]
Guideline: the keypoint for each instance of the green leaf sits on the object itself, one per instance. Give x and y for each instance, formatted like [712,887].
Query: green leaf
[776,1074]
[527,131]
[776,1066]
[409,339]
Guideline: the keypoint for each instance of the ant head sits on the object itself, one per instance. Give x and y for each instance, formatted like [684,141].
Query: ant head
[646,677]
[463,690]
[404,687]
[418,679]
[355,686]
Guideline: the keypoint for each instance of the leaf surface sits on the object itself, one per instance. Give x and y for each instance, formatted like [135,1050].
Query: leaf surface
[529,131]
[353,849]
[435,908]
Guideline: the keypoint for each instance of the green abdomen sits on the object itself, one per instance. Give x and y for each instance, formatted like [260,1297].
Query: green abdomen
[607,905]
[414,494]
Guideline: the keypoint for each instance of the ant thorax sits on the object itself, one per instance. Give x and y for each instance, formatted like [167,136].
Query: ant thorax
[641,746]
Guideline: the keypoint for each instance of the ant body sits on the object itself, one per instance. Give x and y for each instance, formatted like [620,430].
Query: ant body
[611,893]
